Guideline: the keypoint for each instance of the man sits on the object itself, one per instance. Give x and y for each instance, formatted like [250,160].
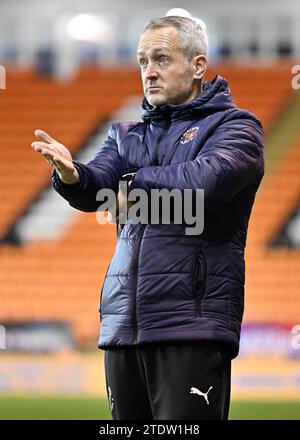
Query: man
[172,303]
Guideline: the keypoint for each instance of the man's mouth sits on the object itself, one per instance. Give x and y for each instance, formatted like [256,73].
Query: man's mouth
[153,88]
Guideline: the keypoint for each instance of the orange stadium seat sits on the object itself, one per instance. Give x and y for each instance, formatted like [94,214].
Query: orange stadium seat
[273,281]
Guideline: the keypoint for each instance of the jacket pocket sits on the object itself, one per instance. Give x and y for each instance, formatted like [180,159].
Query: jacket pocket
[199,276]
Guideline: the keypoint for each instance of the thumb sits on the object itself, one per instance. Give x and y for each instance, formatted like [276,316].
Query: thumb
[43,136]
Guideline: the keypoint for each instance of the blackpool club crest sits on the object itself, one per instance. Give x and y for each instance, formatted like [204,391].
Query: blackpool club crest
[189,135]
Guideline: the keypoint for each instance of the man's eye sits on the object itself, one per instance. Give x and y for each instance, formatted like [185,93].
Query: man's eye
[143,62]
[163,60]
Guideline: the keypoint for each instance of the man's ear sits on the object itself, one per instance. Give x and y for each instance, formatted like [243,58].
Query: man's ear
[200,65]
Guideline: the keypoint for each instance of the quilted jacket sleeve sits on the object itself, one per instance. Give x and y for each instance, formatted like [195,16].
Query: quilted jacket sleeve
[103,171]
[230,160]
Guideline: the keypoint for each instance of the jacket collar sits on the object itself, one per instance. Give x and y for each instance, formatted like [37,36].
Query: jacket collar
[215,97]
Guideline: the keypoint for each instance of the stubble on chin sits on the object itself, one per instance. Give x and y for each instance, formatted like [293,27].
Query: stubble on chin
[155,100]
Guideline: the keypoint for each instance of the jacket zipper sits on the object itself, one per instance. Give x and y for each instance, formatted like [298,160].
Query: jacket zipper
[164,133]
[136,266]
[199,282]
[134,293]
[100,302]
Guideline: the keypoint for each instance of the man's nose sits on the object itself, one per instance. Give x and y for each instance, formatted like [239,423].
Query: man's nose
[151,72]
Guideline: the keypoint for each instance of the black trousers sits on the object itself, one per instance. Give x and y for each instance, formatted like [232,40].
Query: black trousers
[168,381]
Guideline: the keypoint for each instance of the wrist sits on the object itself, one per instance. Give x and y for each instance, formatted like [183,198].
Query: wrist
[71,180]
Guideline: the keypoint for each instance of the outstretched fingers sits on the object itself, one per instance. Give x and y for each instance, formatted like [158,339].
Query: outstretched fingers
[44,148]
[57,155]
[47,152]
[50,153]
[43,136]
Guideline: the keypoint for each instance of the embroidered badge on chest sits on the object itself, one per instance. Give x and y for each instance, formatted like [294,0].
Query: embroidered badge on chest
[189,135]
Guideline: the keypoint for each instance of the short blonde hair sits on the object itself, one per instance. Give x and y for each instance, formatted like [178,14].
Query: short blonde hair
[192,36]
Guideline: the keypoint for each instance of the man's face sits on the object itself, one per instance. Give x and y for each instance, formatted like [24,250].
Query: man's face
[167,74]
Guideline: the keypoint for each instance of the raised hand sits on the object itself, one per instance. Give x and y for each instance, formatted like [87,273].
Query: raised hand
[56,155]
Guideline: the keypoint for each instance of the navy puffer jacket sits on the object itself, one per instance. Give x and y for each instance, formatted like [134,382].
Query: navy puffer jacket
[164,285]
